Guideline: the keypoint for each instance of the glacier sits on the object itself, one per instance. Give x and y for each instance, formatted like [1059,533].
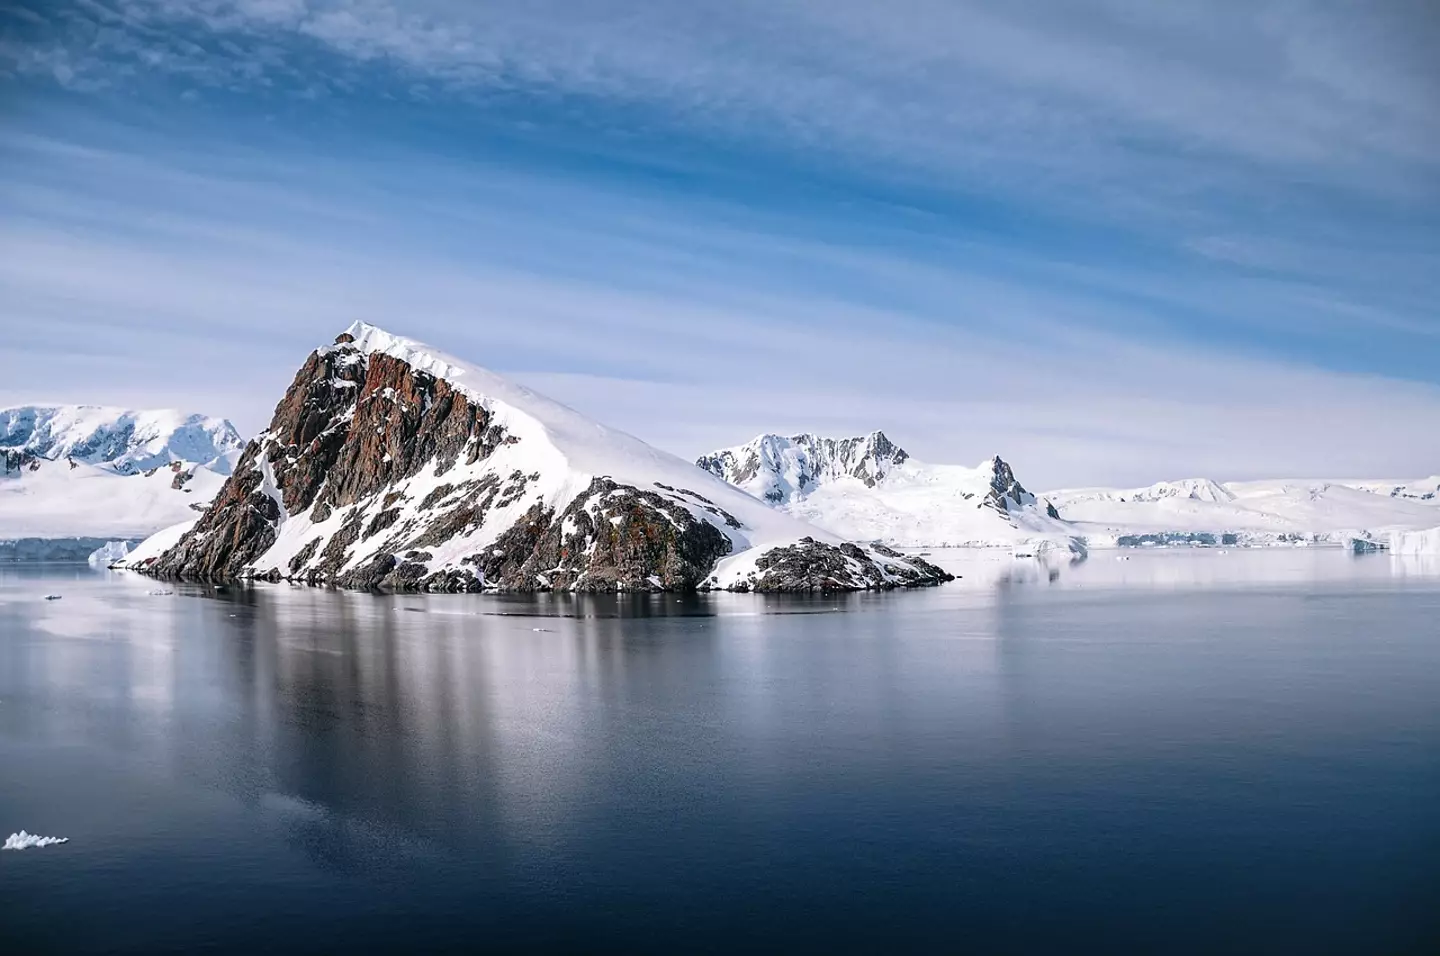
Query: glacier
[82,471]
[1424,543]
[1248,513]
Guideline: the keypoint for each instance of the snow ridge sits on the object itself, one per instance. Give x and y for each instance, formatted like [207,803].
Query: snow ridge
[869,489]
[123,440]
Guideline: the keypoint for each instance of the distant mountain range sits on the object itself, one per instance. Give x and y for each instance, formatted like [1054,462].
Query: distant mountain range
[88,472]
[1251,512]
[391,464]
[870,489]
[115,439]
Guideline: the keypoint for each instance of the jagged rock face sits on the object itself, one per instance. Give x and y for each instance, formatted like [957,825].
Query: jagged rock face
[810,565]
[12,461]
[238,527]
[791,467]
[377,473]
[611,537]
[1006,492]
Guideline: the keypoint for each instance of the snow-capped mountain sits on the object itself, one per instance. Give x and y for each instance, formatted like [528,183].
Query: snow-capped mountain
[1425,489]
[869,489]
[1247,511]
[781,470]
[83,471]
[391,464]
[121,440]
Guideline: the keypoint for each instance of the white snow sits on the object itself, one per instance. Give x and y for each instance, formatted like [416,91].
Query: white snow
[564,452]
[24,841]
[55,499]
[1254,512]
[96,472]
[866,489]
[108,554]
[121,440]
[157,544]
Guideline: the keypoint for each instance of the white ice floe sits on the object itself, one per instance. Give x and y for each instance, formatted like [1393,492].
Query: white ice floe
[24,841]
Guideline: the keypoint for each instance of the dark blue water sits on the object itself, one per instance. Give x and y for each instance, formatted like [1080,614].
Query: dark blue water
[1174,754]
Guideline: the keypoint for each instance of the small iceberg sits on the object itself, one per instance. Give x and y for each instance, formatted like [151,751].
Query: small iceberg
[110,553]
[24,841]
[160,592]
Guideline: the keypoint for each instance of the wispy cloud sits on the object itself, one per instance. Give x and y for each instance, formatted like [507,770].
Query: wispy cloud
[1116,240]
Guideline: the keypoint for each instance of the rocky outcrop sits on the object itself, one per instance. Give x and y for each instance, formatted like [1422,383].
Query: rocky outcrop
[378,470]
[1006,492]
[810,565]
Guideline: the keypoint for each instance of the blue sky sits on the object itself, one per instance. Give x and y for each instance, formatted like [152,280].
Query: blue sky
[1112,241]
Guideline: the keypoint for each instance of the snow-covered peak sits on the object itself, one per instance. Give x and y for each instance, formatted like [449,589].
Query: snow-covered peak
[122,440]
[1189,489]
[780,469]
[1196,489]
[391,463]
[561,437]
[867,488]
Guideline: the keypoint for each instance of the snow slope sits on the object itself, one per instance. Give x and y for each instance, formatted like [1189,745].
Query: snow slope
[57,499]
[1247,512]
[155,545]
[549,461]
[868,489]
[1426,489]
[121,440]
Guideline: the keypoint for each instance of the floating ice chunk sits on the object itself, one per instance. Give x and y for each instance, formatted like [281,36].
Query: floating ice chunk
[108,554]
[160,592]
[23,841]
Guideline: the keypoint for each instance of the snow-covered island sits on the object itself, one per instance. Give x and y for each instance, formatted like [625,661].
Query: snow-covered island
[391,464]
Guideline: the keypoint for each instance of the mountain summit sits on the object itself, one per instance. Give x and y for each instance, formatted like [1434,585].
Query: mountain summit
[869,488]
[391,464]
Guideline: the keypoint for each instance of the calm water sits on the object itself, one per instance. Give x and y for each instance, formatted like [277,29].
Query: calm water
[1181,752]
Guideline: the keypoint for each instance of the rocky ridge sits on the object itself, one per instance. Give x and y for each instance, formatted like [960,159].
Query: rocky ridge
[388,464]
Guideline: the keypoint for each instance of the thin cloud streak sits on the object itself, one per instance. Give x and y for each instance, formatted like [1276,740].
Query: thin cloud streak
[1113,241]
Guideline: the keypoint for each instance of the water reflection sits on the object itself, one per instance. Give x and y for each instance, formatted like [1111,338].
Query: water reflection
[490,760]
